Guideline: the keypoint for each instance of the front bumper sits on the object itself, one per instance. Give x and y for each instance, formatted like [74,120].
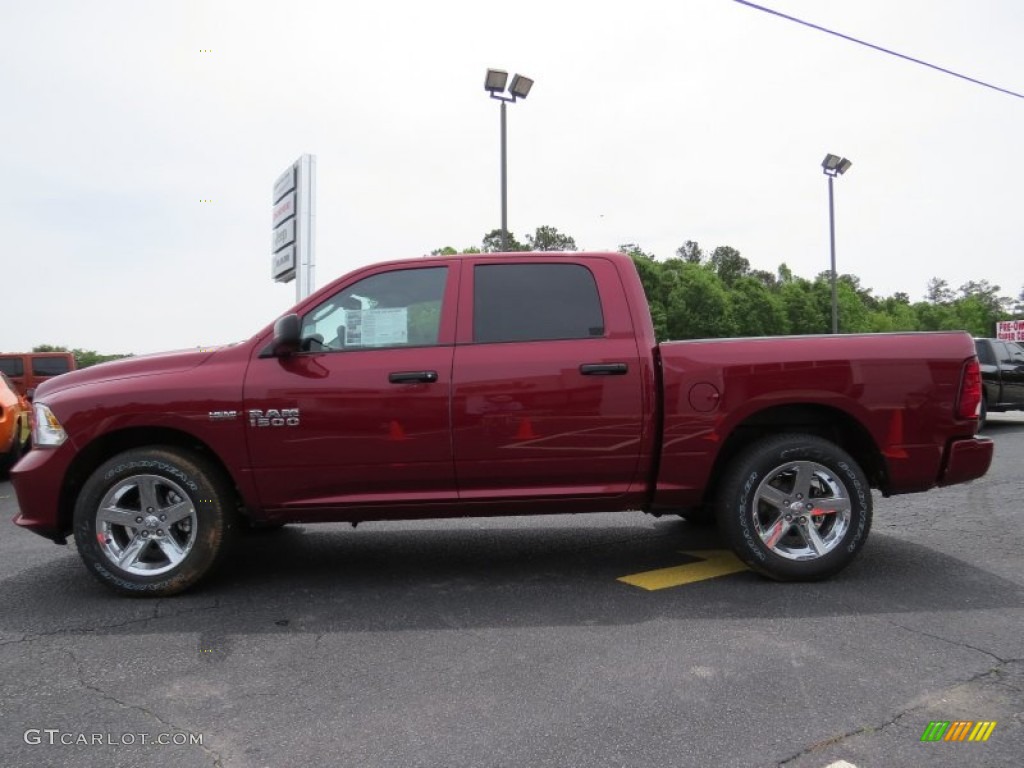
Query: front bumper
[967,459]
[37,480]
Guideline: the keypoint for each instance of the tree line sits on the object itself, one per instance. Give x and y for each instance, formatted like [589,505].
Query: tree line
[698,294]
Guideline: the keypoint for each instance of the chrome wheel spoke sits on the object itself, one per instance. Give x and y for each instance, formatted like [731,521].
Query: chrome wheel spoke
[171,549]
[773,496]
[802,481]
[130,554]
[177,512]
[775,531]
[830,506]
[813,539]
[147,493]
[117,516]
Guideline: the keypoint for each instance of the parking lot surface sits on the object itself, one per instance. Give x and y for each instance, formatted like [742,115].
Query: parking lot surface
[532,642]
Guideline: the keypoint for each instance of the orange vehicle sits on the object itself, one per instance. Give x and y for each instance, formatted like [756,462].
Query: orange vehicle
[15,423]
[30,369]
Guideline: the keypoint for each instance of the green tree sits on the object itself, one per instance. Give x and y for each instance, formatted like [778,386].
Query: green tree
[698,305]
[757,311]
[893,314]
[449,251]
[935,317]
[939,292]
[634,250]
[550,239]
[650,278]
[690,252]
[492,243]
[728,264]
[802,310]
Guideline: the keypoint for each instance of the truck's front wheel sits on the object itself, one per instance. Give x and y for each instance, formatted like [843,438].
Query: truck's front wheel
[153,521]
[795,507]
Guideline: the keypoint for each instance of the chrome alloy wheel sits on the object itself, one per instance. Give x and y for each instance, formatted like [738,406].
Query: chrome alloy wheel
[146,525]
[802,510]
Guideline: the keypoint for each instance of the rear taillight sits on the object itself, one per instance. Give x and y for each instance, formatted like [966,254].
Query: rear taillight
[969,405]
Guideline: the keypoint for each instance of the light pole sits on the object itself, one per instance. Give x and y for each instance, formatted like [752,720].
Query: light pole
[833,166]
[494,84]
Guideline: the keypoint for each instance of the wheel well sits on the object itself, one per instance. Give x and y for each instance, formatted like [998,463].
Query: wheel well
[829,423]
[102,448]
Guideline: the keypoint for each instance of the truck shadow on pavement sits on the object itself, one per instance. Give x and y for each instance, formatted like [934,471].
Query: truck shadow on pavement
[326,579]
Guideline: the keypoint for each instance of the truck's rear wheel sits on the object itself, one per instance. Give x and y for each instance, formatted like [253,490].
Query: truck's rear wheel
[153,521]
[795,507]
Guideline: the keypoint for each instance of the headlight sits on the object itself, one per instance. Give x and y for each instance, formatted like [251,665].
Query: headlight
[46,429]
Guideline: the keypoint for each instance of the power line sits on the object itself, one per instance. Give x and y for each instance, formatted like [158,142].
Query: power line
[880,48]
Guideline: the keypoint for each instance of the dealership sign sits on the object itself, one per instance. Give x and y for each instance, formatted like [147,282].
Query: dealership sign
[292,220]
[1010,330]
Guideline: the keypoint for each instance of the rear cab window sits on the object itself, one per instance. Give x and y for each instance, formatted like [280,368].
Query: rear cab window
[535,302]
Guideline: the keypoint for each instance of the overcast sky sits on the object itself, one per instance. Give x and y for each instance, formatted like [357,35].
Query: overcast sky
[650,122]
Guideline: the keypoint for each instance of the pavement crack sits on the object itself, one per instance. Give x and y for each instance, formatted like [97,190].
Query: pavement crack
[218,760]
[957,643]
[833,740]
[995,671]
[140,620]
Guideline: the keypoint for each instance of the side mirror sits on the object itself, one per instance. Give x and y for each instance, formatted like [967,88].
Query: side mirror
[287,337]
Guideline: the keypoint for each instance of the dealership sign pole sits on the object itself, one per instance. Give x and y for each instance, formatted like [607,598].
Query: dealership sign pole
[293,227]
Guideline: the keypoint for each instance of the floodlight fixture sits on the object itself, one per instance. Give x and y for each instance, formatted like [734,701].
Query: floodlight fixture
[520,87]
[834,165]
[495,81]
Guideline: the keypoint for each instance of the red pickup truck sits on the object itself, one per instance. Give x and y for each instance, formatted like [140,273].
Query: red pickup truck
[480,385]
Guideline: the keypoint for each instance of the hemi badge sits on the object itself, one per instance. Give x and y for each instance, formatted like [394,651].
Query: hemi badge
[223,415]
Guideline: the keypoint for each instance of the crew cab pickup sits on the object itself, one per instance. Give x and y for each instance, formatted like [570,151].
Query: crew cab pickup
[508,384]
[1002,376]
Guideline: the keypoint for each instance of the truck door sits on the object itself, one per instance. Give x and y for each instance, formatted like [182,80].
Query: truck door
[362,416]
[547,396]
[1011,367]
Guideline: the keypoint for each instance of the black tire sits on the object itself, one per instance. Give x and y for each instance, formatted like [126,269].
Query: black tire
[154,521]
[18,449]
[817,484]
[983,414]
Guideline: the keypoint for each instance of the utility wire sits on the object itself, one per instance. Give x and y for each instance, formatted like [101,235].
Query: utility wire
[880,48]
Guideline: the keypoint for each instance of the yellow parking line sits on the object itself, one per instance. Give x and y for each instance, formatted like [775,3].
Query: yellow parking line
[711,564]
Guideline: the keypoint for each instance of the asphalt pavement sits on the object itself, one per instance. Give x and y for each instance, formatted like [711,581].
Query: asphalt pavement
[513,642]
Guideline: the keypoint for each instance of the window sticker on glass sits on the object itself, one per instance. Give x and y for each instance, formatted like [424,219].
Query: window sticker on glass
[376,327]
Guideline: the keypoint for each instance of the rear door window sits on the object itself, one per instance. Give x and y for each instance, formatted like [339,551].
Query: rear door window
[535,302]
